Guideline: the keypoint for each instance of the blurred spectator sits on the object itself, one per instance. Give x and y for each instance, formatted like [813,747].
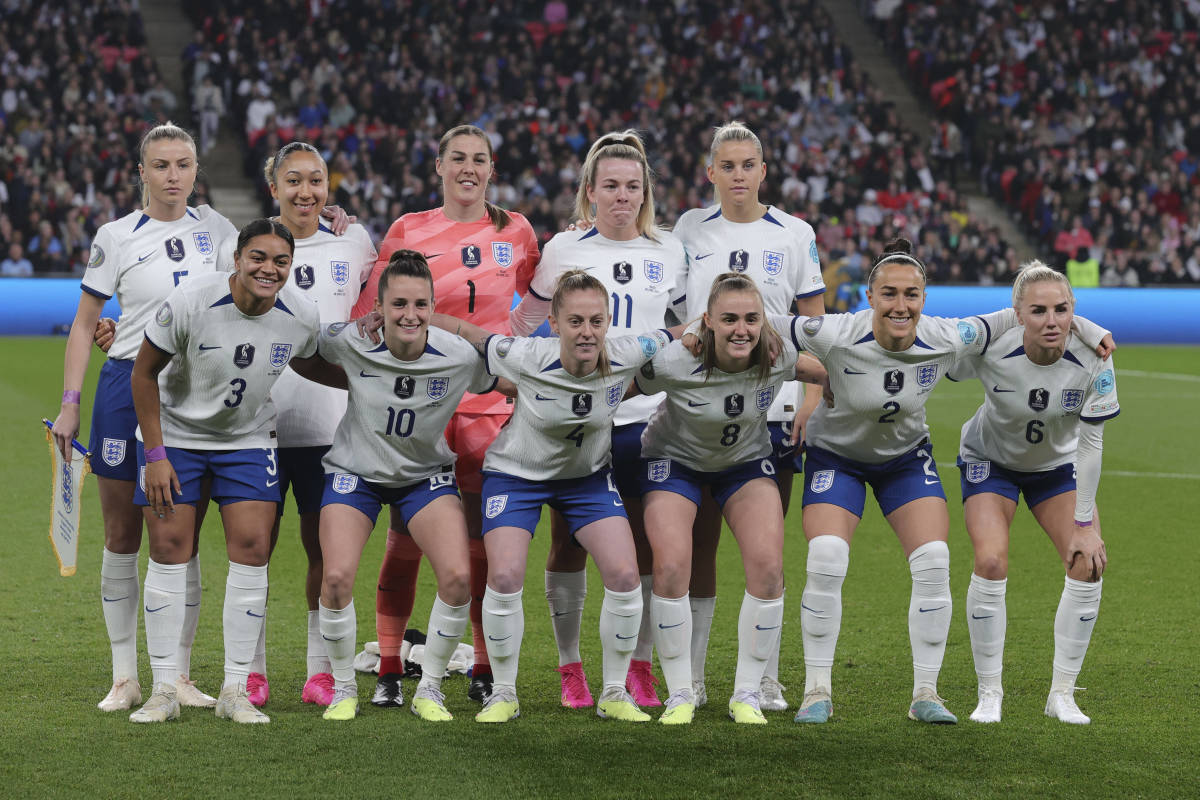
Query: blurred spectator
[16,265]
[1119,271]
[209,108]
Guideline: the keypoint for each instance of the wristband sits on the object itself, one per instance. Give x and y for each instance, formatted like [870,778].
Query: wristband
[1087,524]
[71,397]
[156,454]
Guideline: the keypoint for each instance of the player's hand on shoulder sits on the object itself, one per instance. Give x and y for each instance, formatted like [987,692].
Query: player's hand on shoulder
[339,220]
[1108,346]
[106,332]
[369,325]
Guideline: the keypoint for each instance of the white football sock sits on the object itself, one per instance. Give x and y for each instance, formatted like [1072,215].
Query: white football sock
[191,615]
[503,629]
[987,620]
[1073,624]
[446,626]
[339,629]
[119,601]
[565,594]
[620,619]
[259,662]
[772,670]
[930,610]
[316,657]
[645,644]
[243,616]
[671,623]
[164,595]
[821,608]
[703,609]
[759,623]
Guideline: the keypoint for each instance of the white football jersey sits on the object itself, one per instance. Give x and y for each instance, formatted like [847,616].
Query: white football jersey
[710,423]
[393,430]
[330,270]
[562,425]
[879,395]
[778,251]
[1029,420]
[140,260]
[643,277]
[216,396]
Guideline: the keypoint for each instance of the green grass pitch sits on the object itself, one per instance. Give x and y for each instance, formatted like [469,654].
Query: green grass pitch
[1142,689]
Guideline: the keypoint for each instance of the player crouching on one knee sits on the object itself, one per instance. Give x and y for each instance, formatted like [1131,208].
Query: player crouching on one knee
[220,341]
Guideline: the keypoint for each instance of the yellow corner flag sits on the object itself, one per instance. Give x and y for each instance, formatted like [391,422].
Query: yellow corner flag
[65,498]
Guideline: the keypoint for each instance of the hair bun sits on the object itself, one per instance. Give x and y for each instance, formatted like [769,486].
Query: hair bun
[898,245]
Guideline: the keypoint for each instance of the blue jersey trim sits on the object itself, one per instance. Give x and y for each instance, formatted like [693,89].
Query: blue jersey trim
[988,340]
[95,292]
[698,370]
[433,351]
[918,343]
[144,219]
[487,361]
[193,214]
[224,301]
[555,364]
[768,218]
[813,293]
[682,298]
[1094,420]
[379,349]
[593,232]
[279,304]
[1069,356]
[870,337]
[716,214]
[321,226]
[156,347]
[795,341]
[1020,351]
[538,296]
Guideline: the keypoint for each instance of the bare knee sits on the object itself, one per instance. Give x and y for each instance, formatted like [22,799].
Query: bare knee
[623,578]
[337,586]
[454,586]
[991,566]
[505,578]
[764,578]
[671,577]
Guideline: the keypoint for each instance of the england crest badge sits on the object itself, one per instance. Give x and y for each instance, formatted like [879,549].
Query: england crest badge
[822,480]
[204,242]
[1072,399]
[340,271]
[502,253]
[494,506]
[113,451]
[978,471]
[280,354]
[658,471]
[437,388]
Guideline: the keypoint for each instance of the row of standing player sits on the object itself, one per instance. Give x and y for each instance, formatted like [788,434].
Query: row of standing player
[613,188]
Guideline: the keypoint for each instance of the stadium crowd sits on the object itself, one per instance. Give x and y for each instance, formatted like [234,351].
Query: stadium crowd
[375,88]
[77,92]
[1080,117]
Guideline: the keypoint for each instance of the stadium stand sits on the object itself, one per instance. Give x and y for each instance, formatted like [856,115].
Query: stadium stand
[374,84]
[1081,117]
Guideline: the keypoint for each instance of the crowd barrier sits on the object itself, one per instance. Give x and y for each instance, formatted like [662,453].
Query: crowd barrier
[45,306]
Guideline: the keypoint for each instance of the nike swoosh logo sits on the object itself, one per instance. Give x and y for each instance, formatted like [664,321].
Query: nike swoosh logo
[927,610]
[115,599]
[849,371]
[706,255]
[433,255]
[623,638]
[191,605]
[813,610]
[362,373]
[1087,619]
[210,347]
[150,610]
[272,483]
[996,388]
[694,404]
[335,639]
[250,613]
[768,628]
[665,627]
[498,638]
[985,616]
[143,258]
[445,635]
[537,396]
[930,483]
[559,613]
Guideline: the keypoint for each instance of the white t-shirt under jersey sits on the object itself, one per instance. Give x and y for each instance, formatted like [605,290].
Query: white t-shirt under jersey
[140,260]
[216,396]
[716,421]
[330,270]
[1029,420]
[393,430]
[643,278]
[777,251]
[562,425]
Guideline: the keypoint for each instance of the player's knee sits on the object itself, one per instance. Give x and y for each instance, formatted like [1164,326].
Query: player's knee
[505,579]
[991,566]
[671,577]
[764,578]
[1086,570]
[622,577]
[454,587]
